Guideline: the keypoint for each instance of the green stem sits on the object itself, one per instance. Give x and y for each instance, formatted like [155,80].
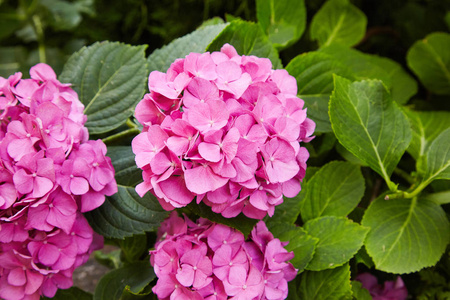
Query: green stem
[40,34]
[391,185]
[408,195]
[30,9]
[205,10]
[120,135]
[131,124]
[405,175]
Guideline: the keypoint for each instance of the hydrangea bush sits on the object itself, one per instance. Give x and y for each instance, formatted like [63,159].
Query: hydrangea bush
[208,138]
[50,173]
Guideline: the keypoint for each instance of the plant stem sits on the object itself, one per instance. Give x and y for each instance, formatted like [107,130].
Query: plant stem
[408,195]
[404,175]
[391,185]
[118,136]
[40,33]
[131,124]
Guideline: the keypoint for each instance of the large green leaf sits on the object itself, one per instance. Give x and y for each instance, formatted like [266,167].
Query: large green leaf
[326,285]
[436,163]
[426,126]
[338,22]
[405,235]
[73,293]
[335,190]
[430,61]
[136,276]
[314,74]
[66,15]
[248,39]
[197,41]
[439,198]
[288,211]
[127,173]
[126,213]
[366,66]
[283,21]
[109,79]
[293,289]
[339,240]
[360,293]
[363,117]
[300,242]
[133,247]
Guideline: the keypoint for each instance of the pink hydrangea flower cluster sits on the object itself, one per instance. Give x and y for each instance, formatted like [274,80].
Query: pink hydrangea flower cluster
[223,128]
[390,290]
[50,173]
[205,260]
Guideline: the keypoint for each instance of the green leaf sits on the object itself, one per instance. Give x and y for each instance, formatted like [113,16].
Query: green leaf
[436,163]
[339,240]
[109,79]
[363,258]
[64,15]
[137,276]
[338,22]
[360,293]
[314,74]
[111,259]
[240,222]
[439,198]
[72,293]
[293,289]
[366,66]
[363,116]
[430,61]
[300,242]
[212,21]
[133,247]
[197,41]
[335,190]
[122,158]
[126,213]
[283,21]
[405,235]
[144,294]
[348,156]
[288,211]
[248,39]
[326,285]
[426,126]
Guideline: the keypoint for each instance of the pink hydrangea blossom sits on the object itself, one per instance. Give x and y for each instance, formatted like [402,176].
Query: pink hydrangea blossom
[223,129]
[389,290]
[49,173]
[205,260]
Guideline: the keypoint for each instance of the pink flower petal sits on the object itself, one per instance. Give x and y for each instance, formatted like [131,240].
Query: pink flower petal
[210,152]
[201,179]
